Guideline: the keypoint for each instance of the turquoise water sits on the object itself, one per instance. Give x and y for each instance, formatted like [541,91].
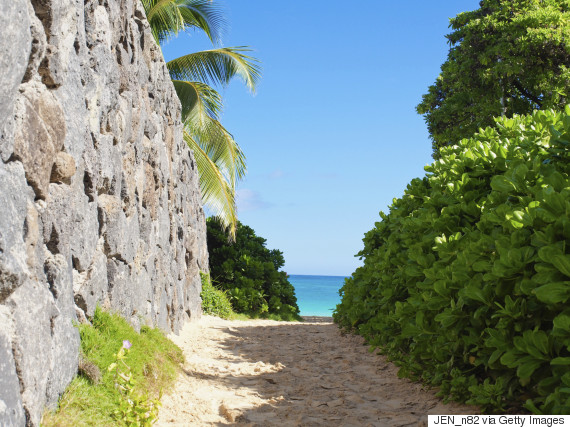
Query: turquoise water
[316,295]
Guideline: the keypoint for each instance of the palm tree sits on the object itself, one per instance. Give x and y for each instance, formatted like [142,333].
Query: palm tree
[220,161]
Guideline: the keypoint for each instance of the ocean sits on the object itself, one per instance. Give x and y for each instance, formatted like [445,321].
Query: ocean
[316,295]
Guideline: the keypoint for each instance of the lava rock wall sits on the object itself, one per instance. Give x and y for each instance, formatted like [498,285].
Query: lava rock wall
[99,195]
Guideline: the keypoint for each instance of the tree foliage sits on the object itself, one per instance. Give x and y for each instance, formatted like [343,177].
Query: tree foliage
[466,282]
[249,272]
[507,57]
[219,159]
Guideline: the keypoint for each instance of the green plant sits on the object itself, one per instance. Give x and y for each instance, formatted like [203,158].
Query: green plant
[153,363]
[249,273]
[135,409]
[215,301]
[466,281]
[507,57]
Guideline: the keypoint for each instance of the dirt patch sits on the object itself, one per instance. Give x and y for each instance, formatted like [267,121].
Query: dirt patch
[268,373]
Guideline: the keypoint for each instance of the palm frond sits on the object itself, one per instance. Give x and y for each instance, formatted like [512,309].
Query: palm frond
[164,18]
[221,147]
[217,193]
[206,16]
[199,101]
[217,66]
[219,159]
[201,105]
[168,17]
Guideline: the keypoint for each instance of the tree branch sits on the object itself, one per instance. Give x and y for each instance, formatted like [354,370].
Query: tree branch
[527,94]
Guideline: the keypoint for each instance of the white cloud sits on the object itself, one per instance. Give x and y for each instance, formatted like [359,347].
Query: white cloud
[249,200]
[276,174]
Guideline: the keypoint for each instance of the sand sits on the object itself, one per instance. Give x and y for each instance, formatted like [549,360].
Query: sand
[268,373]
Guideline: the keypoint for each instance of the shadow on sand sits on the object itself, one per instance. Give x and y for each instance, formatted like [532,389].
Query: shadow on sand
[309,374]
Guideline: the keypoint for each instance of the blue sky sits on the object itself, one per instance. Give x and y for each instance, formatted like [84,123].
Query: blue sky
[332,136]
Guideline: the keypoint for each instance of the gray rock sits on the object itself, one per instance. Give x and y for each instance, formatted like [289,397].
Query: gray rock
[121,233]
[84,232]
[11,409]
[70,224]
[38,45]
[57,219]
[99,195]
[91,287]
[65,343]
[32,309]
[39,134]
[33,241]
[126,294]
[108,165]
[13,192]
[16,45]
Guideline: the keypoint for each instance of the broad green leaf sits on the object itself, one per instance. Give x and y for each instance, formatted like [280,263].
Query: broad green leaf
[553,293]
[547,253]
[553,201]
[440,288]
[562,321]
[527,366]
[511,359]
[474,293]
[527,286]
[557,180]
[481,266]
[502,184]
[495,356]
[562,263]
[540,341]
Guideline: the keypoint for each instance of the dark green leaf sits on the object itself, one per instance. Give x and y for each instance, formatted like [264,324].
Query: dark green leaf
[553,293]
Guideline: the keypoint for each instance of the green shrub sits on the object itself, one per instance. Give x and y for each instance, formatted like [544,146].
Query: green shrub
[215,301]
[466,281]
[153,363]
[249,272]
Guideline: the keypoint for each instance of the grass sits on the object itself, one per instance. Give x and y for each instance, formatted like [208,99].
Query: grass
[154,361]
[240,316]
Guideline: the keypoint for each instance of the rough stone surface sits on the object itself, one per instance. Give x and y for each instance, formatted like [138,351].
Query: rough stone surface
[13,266]
[11,409]
[99,195]
[40,132]
[16,41]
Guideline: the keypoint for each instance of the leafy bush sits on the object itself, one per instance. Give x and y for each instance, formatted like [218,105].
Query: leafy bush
[465,282]
[249,272]
[153,363]
[215,301]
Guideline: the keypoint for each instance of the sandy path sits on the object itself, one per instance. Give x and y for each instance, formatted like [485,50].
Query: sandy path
[267,373]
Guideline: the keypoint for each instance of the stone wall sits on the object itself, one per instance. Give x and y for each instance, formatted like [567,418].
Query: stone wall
[99,199]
